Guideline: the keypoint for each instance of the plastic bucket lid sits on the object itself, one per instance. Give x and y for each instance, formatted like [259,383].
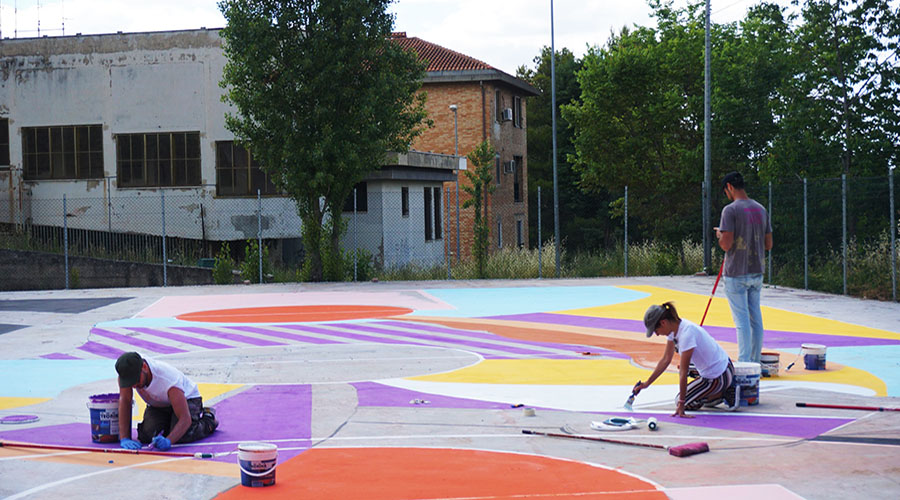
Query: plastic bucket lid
[747,368]
[813,348]
[770,357]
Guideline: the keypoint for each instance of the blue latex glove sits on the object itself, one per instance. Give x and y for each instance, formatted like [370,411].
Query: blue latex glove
[130,444]
[161,443]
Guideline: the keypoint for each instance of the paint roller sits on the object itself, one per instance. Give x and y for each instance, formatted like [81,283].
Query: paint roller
[10,444]
[684,450]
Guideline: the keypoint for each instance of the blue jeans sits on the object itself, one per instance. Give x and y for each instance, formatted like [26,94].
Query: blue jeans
[743,297]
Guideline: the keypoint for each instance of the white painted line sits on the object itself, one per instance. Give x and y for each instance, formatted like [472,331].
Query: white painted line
[41,455]
[54,484]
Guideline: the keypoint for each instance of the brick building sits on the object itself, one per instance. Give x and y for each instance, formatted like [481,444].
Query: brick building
[490,105]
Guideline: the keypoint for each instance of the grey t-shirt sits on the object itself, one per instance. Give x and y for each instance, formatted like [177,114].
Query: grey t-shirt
[750,224]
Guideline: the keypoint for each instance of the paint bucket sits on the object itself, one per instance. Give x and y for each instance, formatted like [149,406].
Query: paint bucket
[813,356]
[257,463]
[104,417]
[769,363]
[746,375]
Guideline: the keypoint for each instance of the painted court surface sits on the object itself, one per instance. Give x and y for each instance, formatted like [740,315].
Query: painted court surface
[422,390]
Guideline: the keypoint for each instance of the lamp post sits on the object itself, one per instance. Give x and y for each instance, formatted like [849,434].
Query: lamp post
[456,155]
[553,120]
[707,160]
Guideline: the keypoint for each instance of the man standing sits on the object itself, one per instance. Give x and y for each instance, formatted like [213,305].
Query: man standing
[745,234]
[174,411]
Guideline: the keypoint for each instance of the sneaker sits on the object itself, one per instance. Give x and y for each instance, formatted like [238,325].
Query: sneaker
[729,395]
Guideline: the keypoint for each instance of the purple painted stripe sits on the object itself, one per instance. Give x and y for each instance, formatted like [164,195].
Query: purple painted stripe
[143,344]
[228,336]
[375,394]
[773,339]
[58,355]
[575,349]
[798,427]
[437,338]
[101,350]
[181,338]
[284,335]
[354,336]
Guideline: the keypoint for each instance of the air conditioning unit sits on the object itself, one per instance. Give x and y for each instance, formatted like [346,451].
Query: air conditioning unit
[509,167]
[507,114]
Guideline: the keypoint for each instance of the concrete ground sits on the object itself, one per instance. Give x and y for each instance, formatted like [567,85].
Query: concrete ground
[422,390]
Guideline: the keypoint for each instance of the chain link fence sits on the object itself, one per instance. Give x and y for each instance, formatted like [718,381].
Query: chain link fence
[834,235]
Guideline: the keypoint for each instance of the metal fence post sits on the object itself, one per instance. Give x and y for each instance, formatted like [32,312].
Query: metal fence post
[844,226]
[770,224]
[893,231]
[447,218]
[354,234]
[626,231]
[805,239]
[162,201]
[66,240]
[540,245]
[259,233]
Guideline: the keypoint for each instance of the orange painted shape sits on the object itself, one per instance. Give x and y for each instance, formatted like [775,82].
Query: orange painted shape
[294,314]
[422,473]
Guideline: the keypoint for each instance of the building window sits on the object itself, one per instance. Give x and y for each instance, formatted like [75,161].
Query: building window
[428,214]
[499,233]
[517,111]
[498,107]
[437,213]
[165,159]
[517,178]
[66,152]
[4,142]
[404,201]
[362,198]
[520,234]
[497,168]
[238,174]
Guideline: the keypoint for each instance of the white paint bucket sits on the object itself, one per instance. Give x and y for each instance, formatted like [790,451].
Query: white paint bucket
[769,363]
[104,410]
[257,462]
[746,375]
[813,356]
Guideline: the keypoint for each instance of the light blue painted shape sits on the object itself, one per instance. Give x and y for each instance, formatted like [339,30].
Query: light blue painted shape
[46,378]
[883,361]
[478,302]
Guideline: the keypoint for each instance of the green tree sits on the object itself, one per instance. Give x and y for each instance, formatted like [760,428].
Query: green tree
[482,158]
[320,94]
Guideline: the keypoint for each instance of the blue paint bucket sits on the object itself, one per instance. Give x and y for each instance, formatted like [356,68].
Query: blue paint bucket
[813,356]
[746,375]
[104,417]
[257,462]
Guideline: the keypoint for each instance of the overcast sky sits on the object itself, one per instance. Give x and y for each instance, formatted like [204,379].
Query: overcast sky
[503,33]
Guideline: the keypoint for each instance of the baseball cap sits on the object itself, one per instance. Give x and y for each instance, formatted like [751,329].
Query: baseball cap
[129,368]
[652,317]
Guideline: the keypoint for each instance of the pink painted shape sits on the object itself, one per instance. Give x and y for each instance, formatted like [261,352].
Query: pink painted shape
[168,307]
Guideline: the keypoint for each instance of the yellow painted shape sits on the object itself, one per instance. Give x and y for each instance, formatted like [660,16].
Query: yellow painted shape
[8,403]
[207,392]
[844,375]
[550,372]
[692,305]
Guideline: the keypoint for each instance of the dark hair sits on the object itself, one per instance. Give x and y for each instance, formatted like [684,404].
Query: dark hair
[669,312]
[735,179]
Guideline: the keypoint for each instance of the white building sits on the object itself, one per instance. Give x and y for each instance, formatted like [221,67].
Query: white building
[118,123]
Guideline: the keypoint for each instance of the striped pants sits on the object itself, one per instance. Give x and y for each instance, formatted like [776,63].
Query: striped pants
[701,391]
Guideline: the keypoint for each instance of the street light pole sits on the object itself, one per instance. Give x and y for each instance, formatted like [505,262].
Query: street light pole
[553,113]
[707,160]
[456,155]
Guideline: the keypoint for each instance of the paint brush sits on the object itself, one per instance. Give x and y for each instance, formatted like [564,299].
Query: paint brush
[630,400]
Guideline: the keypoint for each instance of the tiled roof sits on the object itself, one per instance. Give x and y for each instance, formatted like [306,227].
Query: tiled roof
[437,57]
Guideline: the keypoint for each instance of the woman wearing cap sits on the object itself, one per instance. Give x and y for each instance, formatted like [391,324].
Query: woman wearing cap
[695,345]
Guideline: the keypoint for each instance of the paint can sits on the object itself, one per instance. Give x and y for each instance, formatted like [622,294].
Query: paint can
[257,462]
[104,417]
[746,375]
[813,356]
[769,363]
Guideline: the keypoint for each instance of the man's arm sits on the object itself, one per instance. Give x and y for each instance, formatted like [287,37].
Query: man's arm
[125,402]
[768,241]
[180,406]
[726,239]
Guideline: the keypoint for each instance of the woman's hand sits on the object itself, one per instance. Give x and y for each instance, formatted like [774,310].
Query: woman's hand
[679,410]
